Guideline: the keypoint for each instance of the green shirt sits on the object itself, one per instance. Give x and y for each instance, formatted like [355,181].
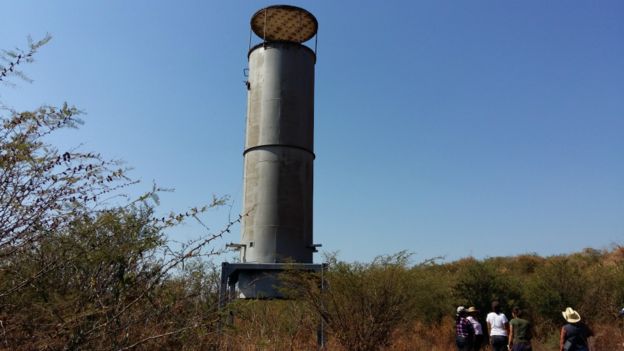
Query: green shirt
[521,330]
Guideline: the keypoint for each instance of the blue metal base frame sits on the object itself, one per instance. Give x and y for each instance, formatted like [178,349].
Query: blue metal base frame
[257,280]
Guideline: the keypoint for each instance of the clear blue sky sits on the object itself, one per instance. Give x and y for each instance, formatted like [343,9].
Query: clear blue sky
[445,128]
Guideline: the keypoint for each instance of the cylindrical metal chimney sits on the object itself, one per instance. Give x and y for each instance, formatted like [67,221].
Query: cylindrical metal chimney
[279,147]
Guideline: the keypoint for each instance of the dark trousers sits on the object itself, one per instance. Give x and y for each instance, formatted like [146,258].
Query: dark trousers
[499,343]
[463,344]
[478,342]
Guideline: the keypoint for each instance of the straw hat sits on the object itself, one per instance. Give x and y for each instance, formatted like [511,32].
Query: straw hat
[472,309]
[571,316]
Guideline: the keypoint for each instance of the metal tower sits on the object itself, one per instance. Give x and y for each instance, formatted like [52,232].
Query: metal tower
[279,153]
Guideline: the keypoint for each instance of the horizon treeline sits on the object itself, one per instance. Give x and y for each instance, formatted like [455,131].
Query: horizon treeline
[106,291]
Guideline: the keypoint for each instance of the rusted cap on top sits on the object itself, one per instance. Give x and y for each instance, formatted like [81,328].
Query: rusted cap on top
[284,23]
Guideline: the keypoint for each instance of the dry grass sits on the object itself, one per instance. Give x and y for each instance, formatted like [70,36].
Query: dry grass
[268,334]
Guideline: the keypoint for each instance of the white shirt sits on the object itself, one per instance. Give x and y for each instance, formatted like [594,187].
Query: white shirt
[476,325]
[497,323]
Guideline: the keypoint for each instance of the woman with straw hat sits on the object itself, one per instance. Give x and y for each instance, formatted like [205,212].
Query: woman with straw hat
[575,333]
[473,315]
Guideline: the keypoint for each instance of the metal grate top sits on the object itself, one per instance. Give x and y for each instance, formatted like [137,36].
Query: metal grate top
[284,22]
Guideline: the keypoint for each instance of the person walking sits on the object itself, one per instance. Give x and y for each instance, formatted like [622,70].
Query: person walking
[519,332]
[464,332]
[574,334]
[473,318]
[498,327]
